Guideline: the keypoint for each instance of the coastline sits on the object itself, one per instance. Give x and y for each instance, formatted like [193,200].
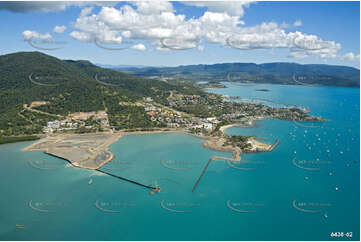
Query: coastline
[217,143]
[90,153]
[16,139]
[61,146]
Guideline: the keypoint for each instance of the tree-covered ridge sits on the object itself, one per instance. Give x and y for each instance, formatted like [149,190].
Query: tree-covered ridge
[70,86]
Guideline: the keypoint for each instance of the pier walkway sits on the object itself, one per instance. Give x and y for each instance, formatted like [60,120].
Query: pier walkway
[274,145]
[200,177]
[128,180]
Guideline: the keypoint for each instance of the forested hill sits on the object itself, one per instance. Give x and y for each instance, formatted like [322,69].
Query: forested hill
[67,86]
[272,73]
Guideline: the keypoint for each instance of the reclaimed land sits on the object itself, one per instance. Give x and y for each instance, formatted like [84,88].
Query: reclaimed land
[90,151]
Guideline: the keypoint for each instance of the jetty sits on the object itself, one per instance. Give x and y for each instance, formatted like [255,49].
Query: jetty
[128,180]
[200,177]
[304,126]
[236,158]
[274,145]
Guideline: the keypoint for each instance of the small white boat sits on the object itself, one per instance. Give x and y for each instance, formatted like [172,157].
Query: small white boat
[90,181]
[19,226]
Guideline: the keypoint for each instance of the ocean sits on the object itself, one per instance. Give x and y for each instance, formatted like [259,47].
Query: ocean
[308,188]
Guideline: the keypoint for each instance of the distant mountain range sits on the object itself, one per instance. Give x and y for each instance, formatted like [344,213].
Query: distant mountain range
[120,66]
[272,73]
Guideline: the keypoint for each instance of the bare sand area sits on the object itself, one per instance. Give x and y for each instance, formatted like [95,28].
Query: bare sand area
[89,151]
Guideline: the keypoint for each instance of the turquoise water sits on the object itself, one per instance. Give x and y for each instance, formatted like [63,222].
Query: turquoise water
[274,195]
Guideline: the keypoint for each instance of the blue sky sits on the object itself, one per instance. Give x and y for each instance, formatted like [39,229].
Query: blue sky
[334,25]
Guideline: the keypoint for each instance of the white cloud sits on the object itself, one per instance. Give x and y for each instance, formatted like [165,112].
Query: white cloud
[127,34]
[153,7]
[140,47]
[297,23]
[82,36]
[270,35]
[167,30]
[298,54]
[30,35]
[235,8]
[59,29]
[94,30]
[351,57]
[313,45]
[284,25]
[86,11]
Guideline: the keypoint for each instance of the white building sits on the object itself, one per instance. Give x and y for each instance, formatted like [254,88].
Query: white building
[53,124]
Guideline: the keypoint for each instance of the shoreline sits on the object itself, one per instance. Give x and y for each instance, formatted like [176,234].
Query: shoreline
[52,144]
[18,139]
[65,151]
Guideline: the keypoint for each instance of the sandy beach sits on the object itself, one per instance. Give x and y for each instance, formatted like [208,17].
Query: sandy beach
[217,144]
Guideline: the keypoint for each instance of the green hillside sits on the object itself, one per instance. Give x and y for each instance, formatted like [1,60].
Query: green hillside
[69,86]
